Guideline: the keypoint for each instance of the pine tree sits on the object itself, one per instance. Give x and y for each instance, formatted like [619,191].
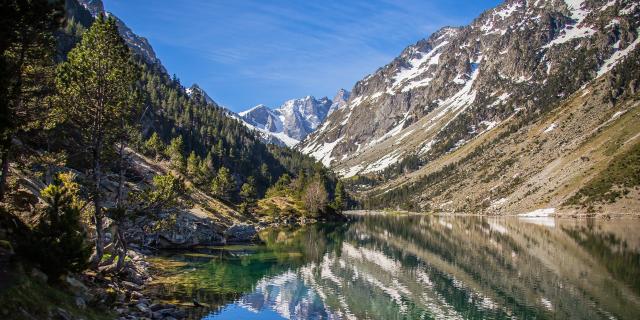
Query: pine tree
[58,240]
[206,169]
[264,172]
[174,152]
[220,151]
[248,194]
[223,185]
[26,70]
[193,165]
[339,196]
[164,194]
[300,182]
[154,146]
[248,191]
[97,87]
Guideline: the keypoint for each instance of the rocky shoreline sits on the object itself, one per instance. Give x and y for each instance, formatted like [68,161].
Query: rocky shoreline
[127,296]
[134,302]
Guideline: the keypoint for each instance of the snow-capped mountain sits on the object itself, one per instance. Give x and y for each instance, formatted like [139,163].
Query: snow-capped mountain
[294,120]
[519,110]
[522,56]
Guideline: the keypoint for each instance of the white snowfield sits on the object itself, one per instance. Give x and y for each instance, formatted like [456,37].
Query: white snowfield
[546,212]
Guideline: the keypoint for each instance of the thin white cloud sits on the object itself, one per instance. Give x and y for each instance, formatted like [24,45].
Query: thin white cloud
[310,46]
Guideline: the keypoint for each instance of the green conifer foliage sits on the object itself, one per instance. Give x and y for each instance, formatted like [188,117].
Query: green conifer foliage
[58,244]
[223,185]
[97,86]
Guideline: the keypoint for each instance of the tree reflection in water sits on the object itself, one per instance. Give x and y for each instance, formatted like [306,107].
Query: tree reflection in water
[415,267]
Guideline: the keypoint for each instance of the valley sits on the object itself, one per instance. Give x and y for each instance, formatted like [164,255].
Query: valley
[489,170]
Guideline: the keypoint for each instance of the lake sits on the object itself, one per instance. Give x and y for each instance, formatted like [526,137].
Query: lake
[415,267]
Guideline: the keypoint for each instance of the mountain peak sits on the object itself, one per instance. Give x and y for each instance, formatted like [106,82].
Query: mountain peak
[196,92]
[292,121]
[95,7]
[339,100]
[139,45]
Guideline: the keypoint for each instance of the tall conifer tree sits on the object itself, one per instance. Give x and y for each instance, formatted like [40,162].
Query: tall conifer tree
[97,86]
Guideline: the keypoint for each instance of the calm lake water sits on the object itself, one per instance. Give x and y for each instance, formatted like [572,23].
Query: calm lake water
[417,267]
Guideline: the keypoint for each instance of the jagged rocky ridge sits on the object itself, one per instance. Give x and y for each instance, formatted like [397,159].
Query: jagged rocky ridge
[294,120]
[196,92]
[521,57]
[139,45]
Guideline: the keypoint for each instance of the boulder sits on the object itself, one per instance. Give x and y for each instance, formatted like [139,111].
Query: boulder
[241,233]
[188,231]
[78,288]
[143,307]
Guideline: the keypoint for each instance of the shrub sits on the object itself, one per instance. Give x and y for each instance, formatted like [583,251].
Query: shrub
[58,241]
[164,194]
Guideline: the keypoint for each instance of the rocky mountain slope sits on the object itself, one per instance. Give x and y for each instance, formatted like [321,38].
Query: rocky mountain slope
[512,65]
[339,100]
[294,120]
[196,92]
[139,45]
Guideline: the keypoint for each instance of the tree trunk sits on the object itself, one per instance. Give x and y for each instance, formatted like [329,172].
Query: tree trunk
[122,244]
[122,253]
[121,175]
[97,201]
[5,167]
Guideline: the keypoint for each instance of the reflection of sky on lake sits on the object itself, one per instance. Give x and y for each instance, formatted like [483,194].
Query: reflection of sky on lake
[446,267]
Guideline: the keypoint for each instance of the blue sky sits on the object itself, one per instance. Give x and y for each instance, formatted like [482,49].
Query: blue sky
[247,52]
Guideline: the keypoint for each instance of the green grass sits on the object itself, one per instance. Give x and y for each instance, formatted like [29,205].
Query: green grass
[622,174]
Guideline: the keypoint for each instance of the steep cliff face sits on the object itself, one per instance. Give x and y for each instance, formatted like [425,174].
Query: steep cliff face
[519,59]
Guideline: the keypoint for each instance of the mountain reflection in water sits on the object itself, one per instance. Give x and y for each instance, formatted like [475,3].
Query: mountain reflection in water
[416,267]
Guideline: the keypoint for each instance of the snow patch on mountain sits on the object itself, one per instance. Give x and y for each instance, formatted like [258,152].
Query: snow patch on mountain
[577,29]
[618,56]
[322,152]
[383,163]
[418,66]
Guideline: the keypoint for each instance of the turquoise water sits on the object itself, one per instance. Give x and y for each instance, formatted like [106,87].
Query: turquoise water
[416,267]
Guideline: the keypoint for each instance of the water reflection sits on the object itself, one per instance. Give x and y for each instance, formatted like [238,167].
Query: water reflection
[417,267]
